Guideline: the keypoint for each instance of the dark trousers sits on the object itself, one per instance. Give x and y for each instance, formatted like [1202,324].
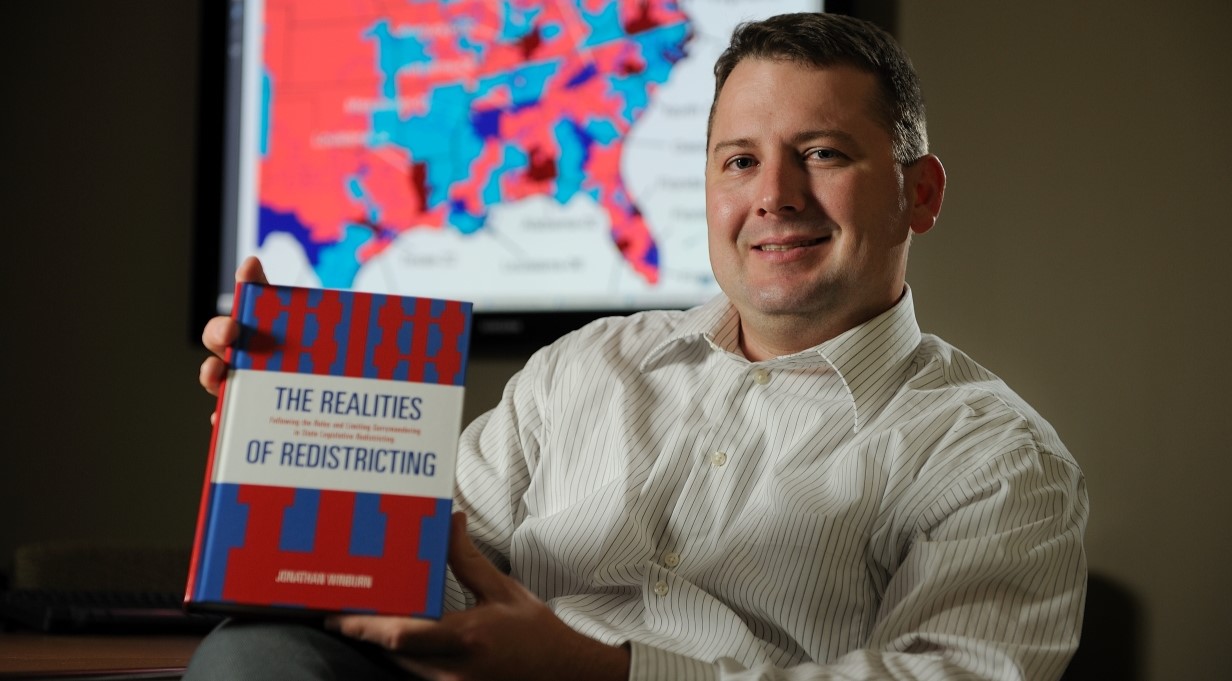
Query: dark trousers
[247,651]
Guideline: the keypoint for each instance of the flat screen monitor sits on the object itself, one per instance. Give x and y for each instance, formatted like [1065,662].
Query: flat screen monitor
[543,160]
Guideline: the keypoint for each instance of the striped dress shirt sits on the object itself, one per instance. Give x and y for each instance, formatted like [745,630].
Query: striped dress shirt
[876,507]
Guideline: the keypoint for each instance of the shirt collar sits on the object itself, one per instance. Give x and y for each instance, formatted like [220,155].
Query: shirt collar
[868,358]
[716,318]
[872,357]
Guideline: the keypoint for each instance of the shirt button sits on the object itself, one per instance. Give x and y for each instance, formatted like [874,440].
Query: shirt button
[718,459]
[661,588]
[671,559]
[761,377]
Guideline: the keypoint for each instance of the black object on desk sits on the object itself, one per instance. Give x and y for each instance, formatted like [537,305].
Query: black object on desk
[71,611]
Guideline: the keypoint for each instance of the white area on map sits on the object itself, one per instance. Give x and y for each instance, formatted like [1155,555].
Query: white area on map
[518,260]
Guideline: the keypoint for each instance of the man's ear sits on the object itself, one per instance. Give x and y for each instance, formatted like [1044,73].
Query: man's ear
[927,188]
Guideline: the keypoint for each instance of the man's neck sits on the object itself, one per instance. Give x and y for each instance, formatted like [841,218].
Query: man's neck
[758,347]
[764,337]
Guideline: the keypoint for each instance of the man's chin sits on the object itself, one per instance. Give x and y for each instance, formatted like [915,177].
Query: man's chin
[789,303]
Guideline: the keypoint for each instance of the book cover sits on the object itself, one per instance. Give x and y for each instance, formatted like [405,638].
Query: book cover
[330,478]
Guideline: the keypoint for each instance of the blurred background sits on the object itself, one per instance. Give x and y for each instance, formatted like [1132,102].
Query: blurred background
[1078,256]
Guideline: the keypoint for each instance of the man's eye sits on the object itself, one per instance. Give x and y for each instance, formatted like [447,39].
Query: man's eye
[741,163]
[825,155]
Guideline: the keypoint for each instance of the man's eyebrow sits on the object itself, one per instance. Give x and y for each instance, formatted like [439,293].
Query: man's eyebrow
[799,138]
[739,143]
[824,133]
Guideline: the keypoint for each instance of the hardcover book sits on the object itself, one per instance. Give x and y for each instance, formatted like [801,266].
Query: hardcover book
[330,478]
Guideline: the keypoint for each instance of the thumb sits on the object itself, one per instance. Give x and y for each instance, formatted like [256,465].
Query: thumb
[471,567]
[251,270]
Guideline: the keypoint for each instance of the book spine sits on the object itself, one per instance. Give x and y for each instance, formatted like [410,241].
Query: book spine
[203,512]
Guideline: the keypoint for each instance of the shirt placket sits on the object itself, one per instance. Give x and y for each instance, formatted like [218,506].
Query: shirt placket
[717,462]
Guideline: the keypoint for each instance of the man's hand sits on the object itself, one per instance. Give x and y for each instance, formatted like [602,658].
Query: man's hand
[221,332]
[509,634]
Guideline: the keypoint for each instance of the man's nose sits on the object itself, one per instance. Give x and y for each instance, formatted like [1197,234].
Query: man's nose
[783,185]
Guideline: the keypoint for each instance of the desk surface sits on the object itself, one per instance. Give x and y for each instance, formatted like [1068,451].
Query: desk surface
[72,656]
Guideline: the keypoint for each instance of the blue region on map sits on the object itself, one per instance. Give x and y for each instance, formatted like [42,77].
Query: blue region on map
[604,25]
[338,265]
[270,221]
[396,51]
[518,22]
[514,159]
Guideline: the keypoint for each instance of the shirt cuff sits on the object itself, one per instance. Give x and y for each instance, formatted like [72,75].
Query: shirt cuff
[647,663]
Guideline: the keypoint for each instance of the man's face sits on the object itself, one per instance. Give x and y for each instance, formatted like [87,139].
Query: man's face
[808,211]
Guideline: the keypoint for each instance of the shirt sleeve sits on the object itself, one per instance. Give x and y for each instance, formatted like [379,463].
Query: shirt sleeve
[496,454]
[991,586]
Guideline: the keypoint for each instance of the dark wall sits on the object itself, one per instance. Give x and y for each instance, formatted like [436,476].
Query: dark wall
[104,428]
[1082,254]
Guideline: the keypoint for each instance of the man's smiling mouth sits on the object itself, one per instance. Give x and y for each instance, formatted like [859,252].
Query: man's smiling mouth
[791,246]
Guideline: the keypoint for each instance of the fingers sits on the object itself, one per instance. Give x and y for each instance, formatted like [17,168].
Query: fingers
[251,271]
[219,334]
[471,567]
[402,634]
[212,371]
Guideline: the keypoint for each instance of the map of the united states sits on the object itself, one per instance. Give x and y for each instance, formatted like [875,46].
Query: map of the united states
[384,117]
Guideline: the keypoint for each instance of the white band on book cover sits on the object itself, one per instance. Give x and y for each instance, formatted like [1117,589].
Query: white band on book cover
[331,432]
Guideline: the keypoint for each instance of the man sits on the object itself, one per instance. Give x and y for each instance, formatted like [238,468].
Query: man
[790,481]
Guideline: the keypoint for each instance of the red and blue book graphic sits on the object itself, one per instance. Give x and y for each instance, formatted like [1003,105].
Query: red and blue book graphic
[329,486]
